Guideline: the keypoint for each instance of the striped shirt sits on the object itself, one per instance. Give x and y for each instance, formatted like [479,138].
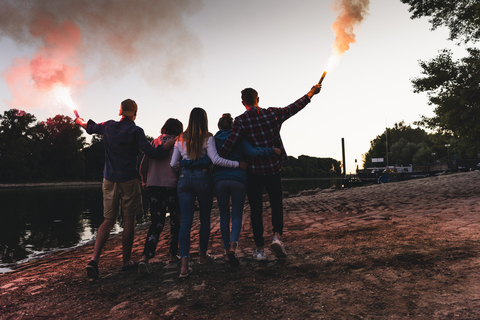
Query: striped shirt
[261,128]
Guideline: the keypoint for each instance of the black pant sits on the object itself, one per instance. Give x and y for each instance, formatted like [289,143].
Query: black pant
[162,200]
[273,184]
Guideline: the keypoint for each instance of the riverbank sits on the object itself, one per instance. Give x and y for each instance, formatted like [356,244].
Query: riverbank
[49,184]
[402,250]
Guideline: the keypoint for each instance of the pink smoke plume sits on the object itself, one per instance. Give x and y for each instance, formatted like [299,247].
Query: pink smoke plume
[114,36]
[55,64]
[351,14]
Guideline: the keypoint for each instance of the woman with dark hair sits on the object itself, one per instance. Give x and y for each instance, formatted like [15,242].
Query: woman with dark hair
[161,180]
[231,184]
[193,144]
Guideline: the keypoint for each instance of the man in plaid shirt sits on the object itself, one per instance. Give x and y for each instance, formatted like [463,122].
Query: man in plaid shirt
[261,127]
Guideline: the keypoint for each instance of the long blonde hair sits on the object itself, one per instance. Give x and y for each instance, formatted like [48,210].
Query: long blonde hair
[196,133]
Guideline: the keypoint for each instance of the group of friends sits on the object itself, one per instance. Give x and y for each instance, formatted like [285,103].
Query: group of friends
[177,171]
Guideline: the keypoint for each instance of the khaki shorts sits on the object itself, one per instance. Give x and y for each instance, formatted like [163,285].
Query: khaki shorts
[127,195]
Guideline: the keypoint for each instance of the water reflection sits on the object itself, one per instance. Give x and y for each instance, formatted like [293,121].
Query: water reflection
[42,219]
[35,220]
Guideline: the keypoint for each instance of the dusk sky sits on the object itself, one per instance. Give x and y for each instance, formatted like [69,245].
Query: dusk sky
[170,58]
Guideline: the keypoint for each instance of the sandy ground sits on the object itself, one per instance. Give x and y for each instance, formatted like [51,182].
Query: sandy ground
[404,250]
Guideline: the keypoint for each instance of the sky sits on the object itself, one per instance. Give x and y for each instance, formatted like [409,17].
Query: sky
[170,58]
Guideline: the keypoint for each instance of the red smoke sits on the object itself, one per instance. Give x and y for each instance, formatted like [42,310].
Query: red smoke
[55,63]
[351,14]
[115,37]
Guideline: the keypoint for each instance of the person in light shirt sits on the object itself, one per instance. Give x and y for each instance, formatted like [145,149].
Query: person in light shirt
[197,183]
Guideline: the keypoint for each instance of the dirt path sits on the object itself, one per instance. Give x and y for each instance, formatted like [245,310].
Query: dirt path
[399,251]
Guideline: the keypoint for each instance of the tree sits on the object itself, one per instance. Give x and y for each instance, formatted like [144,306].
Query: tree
[94,155]
[402,152]
[63,143]
[454,88]
[18,157]
[400,137]
[310,167]
[462,17]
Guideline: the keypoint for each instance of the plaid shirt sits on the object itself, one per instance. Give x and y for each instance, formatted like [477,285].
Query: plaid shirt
[261,128]
[122,140]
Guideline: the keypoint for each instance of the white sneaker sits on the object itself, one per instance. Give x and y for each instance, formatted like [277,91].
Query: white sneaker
[278,248]
[259,255]
[143,268]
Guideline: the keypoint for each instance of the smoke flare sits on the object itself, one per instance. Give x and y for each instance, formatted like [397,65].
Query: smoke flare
[117,36]
[351,14]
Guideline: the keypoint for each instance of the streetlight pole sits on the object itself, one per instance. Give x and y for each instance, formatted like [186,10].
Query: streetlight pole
[448,155]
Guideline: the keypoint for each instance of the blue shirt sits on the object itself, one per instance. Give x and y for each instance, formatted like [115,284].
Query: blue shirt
[239,153]
[122,140]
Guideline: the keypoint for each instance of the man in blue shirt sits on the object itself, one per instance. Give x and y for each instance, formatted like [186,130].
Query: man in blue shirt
[121,183]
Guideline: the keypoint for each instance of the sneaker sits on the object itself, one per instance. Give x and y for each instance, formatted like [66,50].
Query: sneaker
[259,255]
[92,270]
[278,248]
[143,268]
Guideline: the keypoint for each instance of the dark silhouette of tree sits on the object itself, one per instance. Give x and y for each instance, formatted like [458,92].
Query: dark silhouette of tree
[310,167]
[453,87]
[18,152]
[62,143]
[406,146]
[94,155]
[461,17]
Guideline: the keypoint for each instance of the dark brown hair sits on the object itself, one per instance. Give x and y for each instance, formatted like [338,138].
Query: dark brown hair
[249,96]
[172,126]
[196,133]
[225,122]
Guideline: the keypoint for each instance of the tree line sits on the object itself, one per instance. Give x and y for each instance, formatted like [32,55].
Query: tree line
[415,146]
[55,150]
[46,151]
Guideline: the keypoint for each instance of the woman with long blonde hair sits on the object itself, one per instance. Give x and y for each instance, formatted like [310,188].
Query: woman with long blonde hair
[194,143]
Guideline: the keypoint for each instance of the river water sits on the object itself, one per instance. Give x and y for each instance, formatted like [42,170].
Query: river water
[38,220]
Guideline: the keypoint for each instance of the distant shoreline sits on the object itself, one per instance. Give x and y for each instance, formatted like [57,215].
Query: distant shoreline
[49,184]
[94,183]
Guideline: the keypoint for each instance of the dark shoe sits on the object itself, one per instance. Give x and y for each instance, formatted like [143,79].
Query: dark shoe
[92,270]
[278,248]
[132,266]
[184,275]
[174,259]
[209,258]
[232,259]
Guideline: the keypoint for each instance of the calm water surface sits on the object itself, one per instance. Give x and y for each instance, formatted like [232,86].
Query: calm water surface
[35,221]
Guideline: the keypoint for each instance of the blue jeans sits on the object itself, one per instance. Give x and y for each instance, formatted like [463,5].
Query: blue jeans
[194,184]
[224,190]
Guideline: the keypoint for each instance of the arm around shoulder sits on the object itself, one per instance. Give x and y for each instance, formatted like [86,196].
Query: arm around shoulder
[252,151]
[175,157]
[216,158]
